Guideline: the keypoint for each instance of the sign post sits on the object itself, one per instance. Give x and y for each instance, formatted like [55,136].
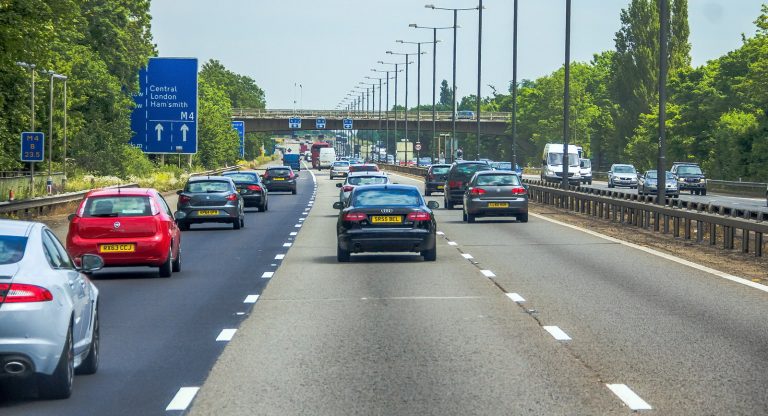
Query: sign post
[165,117]
[294,123]
[320,123]
[32,150]
[239,126]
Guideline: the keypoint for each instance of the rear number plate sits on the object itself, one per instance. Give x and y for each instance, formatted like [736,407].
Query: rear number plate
[498,205]
[440,186]
[279,179]
[117,248]
[206,212]
[386,219]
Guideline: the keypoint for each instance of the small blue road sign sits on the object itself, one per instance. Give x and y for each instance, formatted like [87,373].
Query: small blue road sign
[320,123]
[347,122]
[32,146]
[294,123]
[239,126]
[164,119]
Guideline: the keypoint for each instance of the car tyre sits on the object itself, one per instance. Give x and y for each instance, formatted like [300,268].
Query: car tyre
[91,362]
[183,225]
[176,265]
[59,384]
[703,192]
[431,254]
[342,256]
[464,216]
[427,192]
[610,183]
[523,217]
[471,218]
[166,268]
[448,204]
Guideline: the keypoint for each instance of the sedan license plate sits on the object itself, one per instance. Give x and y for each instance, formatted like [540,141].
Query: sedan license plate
[117,248]
[386,219]
[279,179]
[208,212]
[498,205]
[440,187]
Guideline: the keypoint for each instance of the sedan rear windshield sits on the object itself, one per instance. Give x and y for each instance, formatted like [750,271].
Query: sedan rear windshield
[389,197]
[202,187]
[279,172]
[498,180]
[440,170]
[469,169]
[243,177]
[12,248]
[117,206]
[367,180]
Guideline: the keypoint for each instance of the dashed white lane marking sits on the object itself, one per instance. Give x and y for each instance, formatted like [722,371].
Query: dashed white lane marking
[632,400]
[302,219]
[297,225]
[267,275]
[294,233]
[183,398]
[440,233]
[453,243]
[467,256]
[557,333]
[651,251]
[239,313]
[487,273]
[226,334]
[251,299]
[279,256]
[515,297]
[287,244]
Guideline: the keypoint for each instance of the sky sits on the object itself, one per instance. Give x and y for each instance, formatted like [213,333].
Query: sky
[329,46]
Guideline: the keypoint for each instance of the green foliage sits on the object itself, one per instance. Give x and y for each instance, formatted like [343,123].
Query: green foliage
[218,143]
[241,90]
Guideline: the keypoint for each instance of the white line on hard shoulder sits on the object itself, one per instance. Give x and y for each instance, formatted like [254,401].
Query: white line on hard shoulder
[226,334]
[279,256]
[515,297]
[669,257]
[287,244]
[267,275]
[629,397]
[251,299]
[467,256]
[453,243]
[440,233]
[487,273]
[294,233]
[297,225]
[183,398]
[557,333]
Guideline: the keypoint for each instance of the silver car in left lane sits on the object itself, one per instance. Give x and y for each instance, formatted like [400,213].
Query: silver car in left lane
[49,324]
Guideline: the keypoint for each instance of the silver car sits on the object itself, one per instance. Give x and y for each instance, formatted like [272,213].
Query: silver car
[49,324]
[360,178]
[622,175]
[339,168]
[210,199]
[495,194]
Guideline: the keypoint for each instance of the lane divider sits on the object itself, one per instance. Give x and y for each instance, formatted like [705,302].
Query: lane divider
[251,299]
[182,399]
[267,275]
[557,333]
[629,397]
[226,335]
[279,256]
[487,273]
[516,297]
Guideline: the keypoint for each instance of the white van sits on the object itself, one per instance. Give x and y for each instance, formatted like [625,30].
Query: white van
[552,164]
[326,158]
[586,171]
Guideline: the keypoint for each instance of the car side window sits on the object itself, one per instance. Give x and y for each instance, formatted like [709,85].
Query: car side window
[165,206]
[66,261]
[56,257]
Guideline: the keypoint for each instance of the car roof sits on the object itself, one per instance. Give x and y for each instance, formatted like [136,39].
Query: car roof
[212,178]
[495,172]
[622,164]
[234,172]
[440,165]
[120,191]
[366,173]
[389,186]
[278,167]
[464,162]
[17,228]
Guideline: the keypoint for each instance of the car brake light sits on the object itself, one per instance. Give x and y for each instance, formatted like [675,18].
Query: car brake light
[455,184]
[354,216]
[347,188]
[477,191]
[232,197]
[183,199]
[255,188]
[21,293]
[519,190]
[418,216]
[291,175]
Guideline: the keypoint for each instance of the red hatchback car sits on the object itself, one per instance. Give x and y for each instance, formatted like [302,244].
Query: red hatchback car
[126,227]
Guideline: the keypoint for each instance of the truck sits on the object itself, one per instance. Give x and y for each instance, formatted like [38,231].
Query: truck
[293,160]
[552,163]
[316,153]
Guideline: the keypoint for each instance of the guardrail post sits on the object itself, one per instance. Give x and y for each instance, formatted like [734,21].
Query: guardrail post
[758,244]
[687,229]
[712,234]
[676,227]
[666,223]
[699,231]
[656,225]
[729,234]
[744,241]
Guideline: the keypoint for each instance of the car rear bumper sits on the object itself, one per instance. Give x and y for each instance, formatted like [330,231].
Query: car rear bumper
[434,186]
[339,173]
[254,200]
[455,195]
[148,251]
[479,207]
[387,240]
[34,334]
[281,186]
[193,216]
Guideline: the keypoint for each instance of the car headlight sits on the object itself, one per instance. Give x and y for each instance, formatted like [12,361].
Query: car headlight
[681,180]
[702,180]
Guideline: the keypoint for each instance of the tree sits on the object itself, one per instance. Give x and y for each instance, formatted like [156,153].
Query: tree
[218,142]
[241,90]
[446,95]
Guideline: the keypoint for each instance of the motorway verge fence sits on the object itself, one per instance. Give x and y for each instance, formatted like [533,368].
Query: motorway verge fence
[30,208]
[703,223]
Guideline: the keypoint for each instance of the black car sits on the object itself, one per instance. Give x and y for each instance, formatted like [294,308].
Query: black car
[386,218]
[280,178]
[251,188]
[458,176]
[690,177]
[434,180]
[209,199]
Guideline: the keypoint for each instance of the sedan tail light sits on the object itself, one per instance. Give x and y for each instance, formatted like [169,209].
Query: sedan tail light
[455,184]
[354,217]
[418,216]
[291,176]
[519,190]
[255,188]
[21,293]
[477,191]
[347,188]
[232,197]
[183,199]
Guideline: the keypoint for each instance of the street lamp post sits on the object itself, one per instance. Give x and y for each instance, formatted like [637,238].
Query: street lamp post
[397,69]
[514,89]
[31,68]
[479,72]
[407,64]
[418,92]
[661,173]
[49,181]
[566,92]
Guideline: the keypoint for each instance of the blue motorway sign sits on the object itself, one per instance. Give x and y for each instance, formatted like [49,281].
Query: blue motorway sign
[320,123]
[32,146]
[239,126]
[164,119]
[347,122]
[294,123]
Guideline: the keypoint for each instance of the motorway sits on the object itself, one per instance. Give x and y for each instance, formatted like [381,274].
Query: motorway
[526,319]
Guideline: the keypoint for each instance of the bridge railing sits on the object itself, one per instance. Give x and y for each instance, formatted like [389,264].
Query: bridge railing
[425,115]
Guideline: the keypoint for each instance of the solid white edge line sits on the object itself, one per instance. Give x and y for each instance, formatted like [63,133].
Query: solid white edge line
[294,233]
[453,243]
[279,256]
[629,397]
[557,333]
[467,256]
[515,297]
[440,233]
[251,299]
[487,273]
[287,244]
[267,275]
[226,334]
[183,398]
[669,257]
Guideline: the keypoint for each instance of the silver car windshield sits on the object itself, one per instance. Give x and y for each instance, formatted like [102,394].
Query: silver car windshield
[624,169]
[12,248]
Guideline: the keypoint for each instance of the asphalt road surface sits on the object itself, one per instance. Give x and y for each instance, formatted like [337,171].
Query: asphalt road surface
[159,335]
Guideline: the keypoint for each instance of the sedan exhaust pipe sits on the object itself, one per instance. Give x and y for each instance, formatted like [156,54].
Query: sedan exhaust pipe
[15,367]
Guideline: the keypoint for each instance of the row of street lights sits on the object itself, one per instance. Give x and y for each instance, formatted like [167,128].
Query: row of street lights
[54,76]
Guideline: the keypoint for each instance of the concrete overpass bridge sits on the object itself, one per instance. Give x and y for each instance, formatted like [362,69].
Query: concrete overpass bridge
[256,120]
